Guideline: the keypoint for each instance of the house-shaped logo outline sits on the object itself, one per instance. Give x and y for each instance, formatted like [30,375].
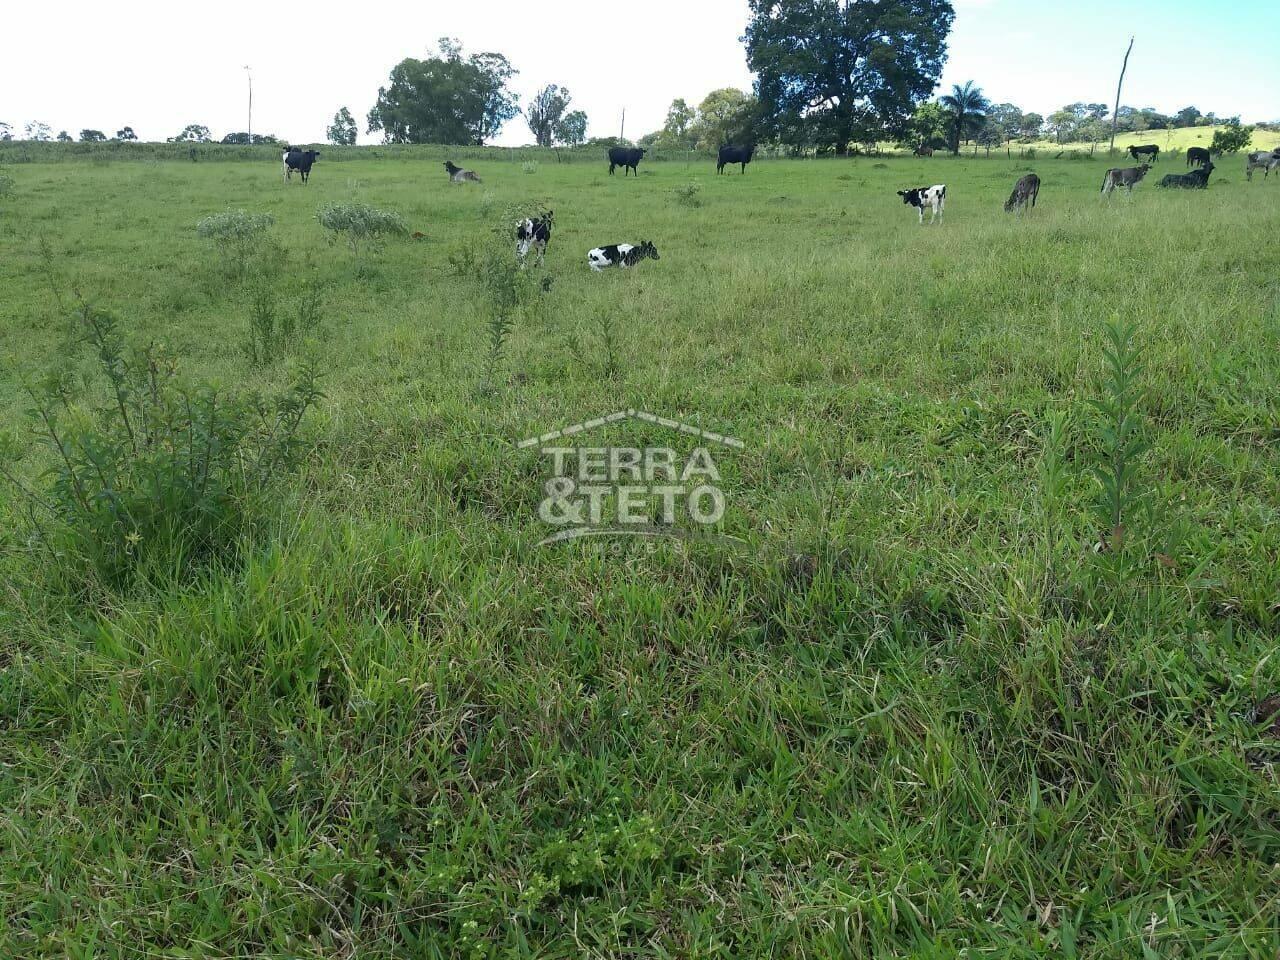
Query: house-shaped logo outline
[631,414]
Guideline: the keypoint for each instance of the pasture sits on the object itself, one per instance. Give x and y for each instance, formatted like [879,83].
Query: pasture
[930,704]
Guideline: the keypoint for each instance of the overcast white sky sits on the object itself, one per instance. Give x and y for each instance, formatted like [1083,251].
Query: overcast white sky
[159,66]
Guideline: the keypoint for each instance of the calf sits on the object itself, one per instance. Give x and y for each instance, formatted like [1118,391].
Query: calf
[458,175]
[626,157]
[1149,150]
[1195,180]
[300,160]
[1197,156]
[1025,192]
[621,255]
[1125,177]
[731,155]
[1264,160]
[534,232]
[935,197]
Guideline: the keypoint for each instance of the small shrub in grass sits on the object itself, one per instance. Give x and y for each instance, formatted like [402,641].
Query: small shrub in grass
[529,166]
[151,475]
[274,331]
[6,185]
[360,225]
[688,194]
[237,235]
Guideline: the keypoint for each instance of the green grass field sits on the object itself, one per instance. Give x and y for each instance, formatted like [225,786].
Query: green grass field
[927,704]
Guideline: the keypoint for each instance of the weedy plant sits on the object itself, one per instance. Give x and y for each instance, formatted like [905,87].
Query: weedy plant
[688,194]
[151,475]
[7,184]
[1118,429]
[529,166]
[361,226]
[273,332]
[506,287]
[237,235]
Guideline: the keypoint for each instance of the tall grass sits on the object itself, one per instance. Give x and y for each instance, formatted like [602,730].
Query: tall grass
[919,713]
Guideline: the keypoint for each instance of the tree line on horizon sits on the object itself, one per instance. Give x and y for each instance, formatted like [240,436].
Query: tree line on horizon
[830,78]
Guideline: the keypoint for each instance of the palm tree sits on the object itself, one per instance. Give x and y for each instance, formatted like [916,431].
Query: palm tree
[968,109]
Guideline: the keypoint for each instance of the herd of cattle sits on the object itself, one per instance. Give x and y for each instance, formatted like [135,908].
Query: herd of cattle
[534,233]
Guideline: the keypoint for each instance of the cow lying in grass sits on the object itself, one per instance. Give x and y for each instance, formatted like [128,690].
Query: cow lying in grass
[1195,180]
[621,255]
[1126,177]
[1024,193]
[534,233]
[935,197]
[458,175]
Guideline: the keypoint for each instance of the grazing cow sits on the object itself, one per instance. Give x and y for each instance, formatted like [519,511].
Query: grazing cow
[1149,150]
[1264,160]
[534,232]
[918,197]
[731,155]
[300,160]
[923,151]
[458,175]
[1197,156]
[1024,193]
[621,255]
[1125,177]
[1195,180]
[626,157]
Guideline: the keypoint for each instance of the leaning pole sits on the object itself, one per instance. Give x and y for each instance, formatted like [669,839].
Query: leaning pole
[1115,114]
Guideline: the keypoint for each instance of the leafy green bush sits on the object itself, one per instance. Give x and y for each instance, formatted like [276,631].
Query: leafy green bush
[152,475]
[529,166]
[688,194]
[1231,137]
[6,185]
[360,225]
[237,235]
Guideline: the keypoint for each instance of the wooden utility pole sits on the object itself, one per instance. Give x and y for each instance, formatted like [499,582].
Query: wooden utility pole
[1115,114]
[622,134]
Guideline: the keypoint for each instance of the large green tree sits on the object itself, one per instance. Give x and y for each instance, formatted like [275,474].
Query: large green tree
[968,109]
[446,98]
[726,115]
[342,132]
[845,70]
[572,128]
[546,112]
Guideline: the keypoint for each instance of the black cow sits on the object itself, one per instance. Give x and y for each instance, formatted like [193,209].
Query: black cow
[1146,150]
[300,160]
[1195,180]
[731,155]
[626,157]
[923,150]
[1024,193]
[1197,156]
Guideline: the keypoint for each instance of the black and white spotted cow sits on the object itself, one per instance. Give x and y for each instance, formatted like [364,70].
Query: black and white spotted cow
[1264,160]
[621,255]
[300,160]
[534,233]
[934,197]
